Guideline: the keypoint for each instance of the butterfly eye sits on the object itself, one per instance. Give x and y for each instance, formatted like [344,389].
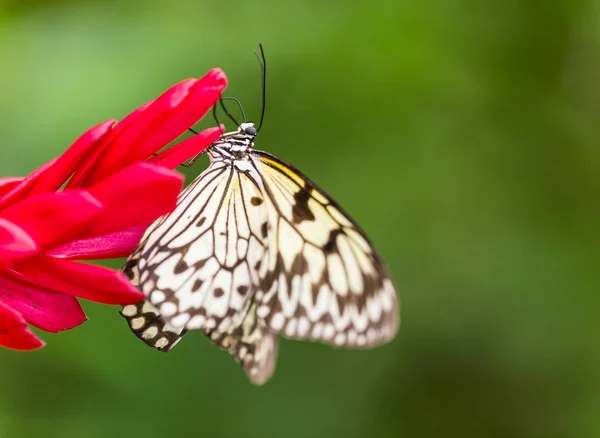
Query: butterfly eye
[250,130]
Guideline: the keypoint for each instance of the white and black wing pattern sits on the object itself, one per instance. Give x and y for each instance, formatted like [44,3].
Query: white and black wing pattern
[143,318]
[251,344]
[197,265]
[323,280]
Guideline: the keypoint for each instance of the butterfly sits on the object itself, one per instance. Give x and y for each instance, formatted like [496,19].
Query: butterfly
[254,249]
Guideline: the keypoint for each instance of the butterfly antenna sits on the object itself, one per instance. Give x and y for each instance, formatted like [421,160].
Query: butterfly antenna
[193,131]
[227,113]
[239,105]
[217,119]
[263,73]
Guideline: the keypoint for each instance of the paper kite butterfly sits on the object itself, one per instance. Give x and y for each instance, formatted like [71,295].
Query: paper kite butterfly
[254,249]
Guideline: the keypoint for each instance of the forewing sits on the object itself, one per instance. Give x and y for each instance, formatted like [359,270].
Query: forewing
[144,319]
[196,266]
[323,279]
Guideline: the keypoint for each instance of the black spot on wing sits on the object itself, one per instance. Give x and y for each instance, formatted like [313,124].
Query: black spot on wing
[180,267]
[255,200]
[299,265]
[128,268]
[300,211]
[264,228]
[197,285]
[341,302]
[331,246]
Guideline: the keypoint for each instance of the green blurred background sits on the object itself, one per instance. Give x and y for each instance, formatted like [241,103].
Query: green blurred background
[462,135]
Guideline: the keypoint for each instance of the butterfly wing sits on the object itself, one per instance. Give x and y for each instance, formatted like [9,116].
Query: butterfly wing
[323,280]
[251,344]
[196,265]
[143,318]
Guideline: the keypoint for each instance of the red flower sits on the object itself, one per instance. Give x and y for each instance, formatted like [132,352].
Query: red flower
[93,202]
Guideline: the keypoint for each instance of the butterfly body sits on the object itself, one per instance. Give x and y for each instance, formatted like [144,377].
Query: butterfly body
[234,147]
[255,249]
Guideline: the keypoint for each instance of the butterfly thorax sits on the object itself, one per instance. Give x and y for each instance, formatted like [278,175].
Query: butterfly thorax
[233,146]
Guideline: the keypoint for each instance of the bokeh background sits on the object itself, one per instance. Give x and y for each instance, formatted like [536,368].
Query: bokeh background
[464,136]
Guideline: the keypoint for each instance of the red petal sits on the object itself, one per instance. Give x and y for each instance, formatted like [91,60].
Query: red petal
[9,180]
[135,196]
[45,309]
[15,243]
[83,172]
[14,332]
[187,149]
[8,183]
[106,246]
[90,282]
[162,122]
[19,191]
[54,218]
[54,176]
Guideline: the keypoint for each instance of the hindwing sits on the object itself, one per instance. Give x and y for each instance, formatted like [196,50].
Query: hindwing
[324,279]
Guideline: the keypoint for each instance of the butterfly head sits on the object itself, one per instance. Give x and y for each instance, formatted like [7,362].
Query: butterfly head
[248,129]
